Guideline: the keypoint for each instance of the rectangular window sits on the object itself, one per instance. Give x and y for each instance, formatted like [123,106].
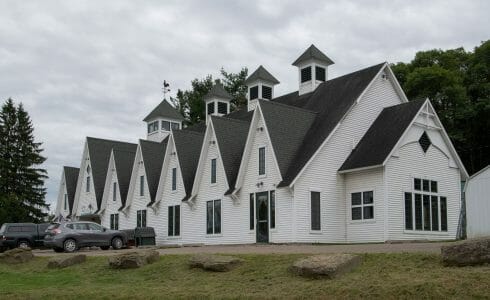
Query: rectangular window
[152,127]
[315,211]
[418,212]
[142,185]
[141,218]
[408,211]
[305,74]
[222,108]
[213,217]
[114,191]
[362,205]
[174,220]
[210,108]
[434,213]
[425,185]
[213,170]
[433,186]
[426,199]
[266,92]
[174,179]
[65,205]
[175,126]
[429,208]
[252,207]
[254,92]
[166,125]
[262,161]
[417,184]
[443,213]
[114,221]
[273,209]
[320,73]
[87,186]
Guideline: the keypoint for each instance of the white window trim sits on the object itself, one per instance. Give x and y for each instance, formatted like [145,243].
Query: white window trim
[221,219]
[175,237]
[312,231]
[349,197]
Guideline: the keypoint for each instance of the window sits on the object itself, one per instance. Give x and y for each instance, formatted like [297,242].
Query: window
[252,207]
[141,218]
[320,73]
[94,227]
[174,220]
[362,205]
[142,185]
[210,108]
[175,126]
[153,126]
[65,205]
[213,217]
[213,170]
[424,208]
[254,92]
[174,179]
[222,108]
[81,226]
[272,209]
[315,211]
[114,191]
[262,161]
[305,74]
[166,125]
[87,186]
[266,92]
[424,141]
[114,221]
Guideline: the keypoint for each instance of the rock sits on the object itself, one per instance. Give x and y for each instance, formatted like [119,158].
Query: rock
[132,260]
[215,263]
[66,261]
[326,266]
[467,253]
[17,255]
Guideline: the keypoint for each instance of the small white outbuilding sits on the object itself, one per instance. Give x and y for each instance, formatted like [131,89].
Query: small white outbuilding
[477,192]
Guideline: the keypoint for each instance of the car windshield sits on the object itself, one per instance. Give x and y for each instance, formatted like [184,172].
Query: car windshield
[2,229]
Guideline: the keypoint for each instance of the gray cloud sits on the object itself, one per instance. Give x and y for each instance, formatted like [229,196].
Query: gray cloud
[94,68]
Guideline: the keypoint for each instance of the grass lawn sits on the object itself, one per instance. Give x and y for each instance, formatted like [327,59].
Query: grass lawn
[260,276]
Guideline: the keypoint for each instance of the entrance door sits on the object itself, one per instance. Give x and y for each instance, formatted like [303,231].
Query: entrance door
[262,215]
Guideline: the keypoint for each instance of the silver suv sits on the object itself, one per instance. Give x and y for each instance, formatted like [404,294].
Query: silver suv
[72,236]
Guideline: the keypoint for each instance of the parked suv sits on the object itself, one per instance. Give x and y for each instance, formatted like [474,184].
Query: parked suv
[22,235]
[72,236]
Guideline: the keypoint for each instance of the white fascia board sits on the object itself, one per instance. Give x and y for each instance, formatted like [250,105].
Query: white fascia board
[60,197]
[396,84]
[107,184]
[166,159]
[79,180]
[359,169]
[132,182]
[202,157]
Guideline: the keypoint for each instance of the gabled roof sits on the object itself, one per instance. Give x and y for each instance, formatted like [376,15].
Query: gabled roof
[71,178]
[380,139]
[331,100]
[164,110]
[231,136]
[100,153]
[188,145]
[153,154]
[287,127]
[261,74]
[124,165]
[218,91]
[313,53]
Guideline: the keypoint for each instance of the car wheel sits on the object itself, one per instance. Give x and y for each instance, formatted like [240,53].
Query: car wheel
[104,247]
[23,244]
[117,243]
[70,245]
[58,250]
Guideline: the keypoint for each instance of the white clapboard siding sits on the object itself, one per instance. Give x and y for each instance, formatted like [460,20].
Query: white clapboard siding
[138,202]
[478,204]
[60,204]
[86,199]
[111,206]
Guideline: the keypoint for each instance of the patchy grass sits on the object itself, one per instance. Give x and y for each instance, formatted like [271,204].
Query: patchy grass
[260,276]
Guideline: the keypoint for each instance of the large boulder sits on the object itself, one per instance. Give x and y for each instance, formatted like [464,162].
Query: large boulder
[326,266]
[215,263]
[17,255]
[132,260]
[66,261]
[467,253]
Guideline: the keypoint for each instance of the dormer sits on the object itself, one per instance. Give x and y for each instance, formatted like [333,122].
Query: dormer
[312,69]
[260,86]
[161,121]
[217,101]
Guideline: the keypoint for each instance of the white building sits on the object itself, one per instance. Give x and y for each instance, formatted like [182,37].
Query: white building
[477,195]
[343,160]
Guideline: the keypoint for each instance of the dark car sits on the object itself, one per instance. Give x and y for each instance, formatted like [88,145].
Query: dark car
[22,235]
[72,236]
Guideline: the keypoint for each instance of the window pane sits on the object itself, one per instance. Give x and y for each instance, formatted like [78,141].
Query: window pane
[435,213]
[356,198]
[433,186]
[443,213]
[417,184]
[177,220]
[88,184]
[254,92]
[222,108]
[166,125]
[408,211]
[138,218]
[367,197]
[217,216]
[210,108]
[306,74]
[209,217]
[315,211]
[213,170]
[112,222]
[426,212]
[357,213]
[252,205]
[149,128]
[262,161]
[425,185]
[94,227]
[273,209]
[143,218]
[175,126]
[117,222]
[320,73]
[142,185]
[418,212]
[368,212]
[174,179]
[266,92]
[114,191]
[170,221]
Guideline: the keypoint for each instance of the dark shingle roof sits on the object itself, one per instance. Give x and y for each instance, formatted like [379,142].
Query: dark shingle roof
[261,74]
[382,136]
[188,144]
[164,110]
[100,153]
[153,154]
[71,178]
[231,135]
[313,53]
[218,91]
[124,161]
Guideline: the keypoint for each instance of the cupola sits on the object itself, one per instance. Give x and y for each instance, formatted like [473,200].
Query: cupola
[260,86]
[217,101]
[312,69]
[161,121]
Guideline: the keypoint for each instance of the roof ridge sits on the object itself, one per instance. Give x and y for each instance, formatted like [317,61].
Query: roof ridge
[188,131]
[108,140]
[230,119]
[352,73]
[288,106]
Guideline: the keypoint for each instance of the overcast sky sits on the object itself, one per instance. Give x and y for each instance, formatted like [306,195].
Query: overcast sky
[95,68]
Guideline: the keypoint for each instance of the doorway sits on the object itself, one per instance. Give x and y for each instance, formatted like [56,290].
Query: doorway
[262,217]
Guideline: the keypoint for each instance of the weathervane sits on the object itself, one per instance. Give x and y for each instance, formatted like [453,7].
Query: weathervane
[166,89]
